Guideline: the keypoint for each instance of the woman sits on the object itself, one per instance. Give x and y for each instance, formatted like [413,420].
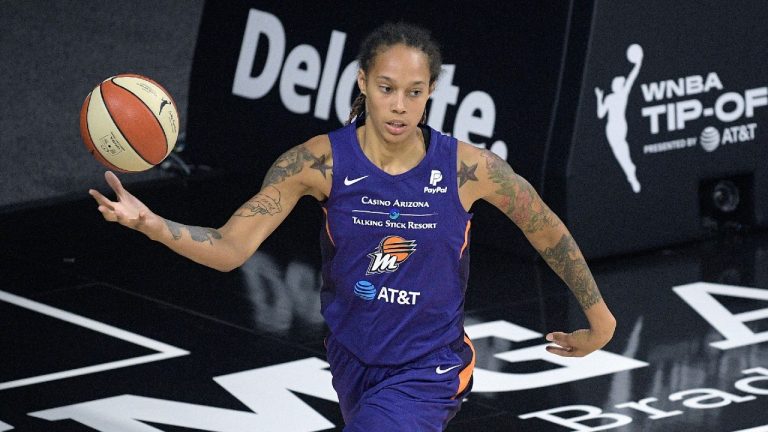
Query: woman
[396,196]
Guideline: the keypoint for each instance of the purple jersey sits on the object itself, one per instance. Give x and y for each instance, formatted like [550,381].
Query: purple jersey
[395,253]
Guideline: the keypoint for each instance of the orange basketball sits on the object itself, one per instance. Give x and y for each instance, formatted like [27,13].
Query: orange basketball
[129,123]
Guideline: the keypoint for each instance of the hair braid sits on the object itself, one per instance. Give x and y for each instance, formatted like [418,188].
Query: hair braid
[358,107]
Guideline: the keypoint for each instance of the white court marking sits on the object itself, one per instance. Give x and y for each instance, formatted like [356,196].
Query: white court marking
[164,351]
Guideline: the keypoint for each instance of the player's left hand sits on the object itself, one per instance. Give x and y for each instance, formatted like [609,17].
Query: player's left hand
[599,93]
[576,344]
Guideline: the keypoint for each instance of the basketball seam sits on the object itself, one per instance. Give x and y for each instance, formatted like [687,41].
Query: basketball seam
[148,108]
[165,136]
[88,130]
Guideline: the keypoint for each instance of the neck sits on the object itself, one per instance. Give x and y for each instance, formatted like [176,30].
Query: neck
[392,157]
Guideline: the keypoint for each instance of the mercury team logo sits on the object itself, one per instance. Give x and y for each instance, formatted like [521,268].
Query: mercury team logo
[390,253]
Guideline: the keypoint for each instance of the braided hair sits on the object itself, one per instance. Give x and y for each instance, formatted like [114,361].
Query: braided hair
[390,34]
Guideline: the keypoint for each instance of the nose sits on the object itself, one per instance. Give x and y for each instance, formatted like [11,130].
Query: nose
[398,104]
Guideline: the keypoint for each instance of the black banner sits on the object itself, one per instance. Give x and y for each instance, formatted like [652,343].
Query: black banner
[669,138]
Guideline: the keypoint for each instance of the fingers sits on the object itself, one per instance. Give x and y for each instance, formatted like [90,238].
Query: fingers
[101,199]
[107,207]
[108,213]
[562,352]
[114,183]
[563,346]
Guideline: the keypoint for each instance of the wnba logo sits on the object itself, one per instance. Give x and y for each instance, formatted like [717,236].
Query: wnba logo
[614,107]
[390,253]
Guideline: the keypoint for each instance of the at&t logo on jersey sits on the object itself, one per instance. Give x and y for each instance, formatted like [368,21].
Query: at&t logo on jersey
[366,291]
[390,253]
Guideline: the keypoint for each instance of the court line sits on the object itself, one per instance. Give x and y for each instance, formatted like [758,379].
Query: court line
[164,351]
[763,428]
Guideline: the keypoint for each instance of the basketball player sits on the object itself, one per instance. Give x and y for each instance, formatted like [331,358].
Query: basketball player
[396,196]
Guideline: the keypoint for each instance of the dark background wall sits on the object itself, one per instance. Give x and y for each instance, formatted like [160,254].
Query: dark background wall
[52,53]
[537,62]
[60,50]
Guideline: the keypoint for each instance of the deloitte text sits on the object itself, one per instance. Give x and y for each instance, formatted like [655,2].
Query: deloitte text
[303,68]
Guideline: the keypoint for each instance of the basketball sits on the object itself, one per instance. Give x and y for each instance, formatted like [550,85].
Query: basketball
[634,53]
[129,123]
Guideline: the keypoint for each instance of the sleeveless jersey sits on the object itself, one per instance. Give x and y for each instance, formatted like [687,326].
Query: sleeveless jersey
[395,253]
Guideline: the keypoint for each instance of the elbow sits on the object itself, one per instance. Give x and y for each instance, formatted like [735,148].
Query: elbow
[229,265]
[607,327]
[603,323]
[226,266]
[235,256]
[611,326]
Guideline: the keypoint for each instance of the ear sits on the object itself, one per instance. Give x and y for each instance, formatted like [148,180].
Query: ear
[432,87]
[361,80]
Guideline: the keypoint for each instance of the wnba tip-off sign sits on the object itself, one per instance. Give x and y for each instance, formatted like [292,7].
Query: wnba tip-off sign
[660,114]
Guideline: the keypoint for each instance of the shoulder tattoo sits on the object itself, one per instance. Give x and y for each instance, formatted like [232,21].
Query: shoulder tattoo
[466,173]
[292,162]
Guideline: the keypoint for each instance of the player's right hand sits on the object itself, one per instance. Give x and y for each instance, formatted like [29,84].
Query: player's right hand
[127,210]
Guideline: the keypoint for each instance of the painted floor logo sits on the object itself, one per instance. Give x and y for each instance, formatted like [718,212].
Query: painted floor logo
[614,106]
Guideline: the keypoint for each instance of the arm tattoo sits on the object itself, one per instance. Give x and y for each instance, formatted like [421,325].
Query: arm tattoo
[318,163]
[519,200]
[466,173]
[261,204]
[566,260]
[292,162]
[199,234]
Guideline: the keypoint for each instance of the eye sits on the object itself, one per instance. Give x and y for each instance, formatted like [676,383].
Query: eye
[385,89]
[416,93]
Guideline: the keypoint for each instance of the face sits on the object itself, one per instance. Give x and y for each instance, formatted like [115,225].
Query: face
[396,89]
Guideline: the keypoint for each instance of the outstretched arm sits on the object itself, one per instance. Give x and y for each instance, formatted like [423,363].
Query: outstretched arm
[513,195]
[601,108]
[633,75]
[227,247]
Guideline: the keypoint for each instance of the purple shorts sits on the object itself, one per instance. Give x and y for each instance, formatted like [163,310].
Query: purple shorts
[422,395]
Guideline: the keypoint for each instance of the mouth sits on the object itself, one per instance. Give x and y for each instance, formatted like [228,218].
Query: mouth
[396,127]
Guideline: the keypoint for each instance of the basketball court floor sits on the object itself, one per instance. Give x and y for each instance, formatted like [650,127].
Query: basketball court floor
[103,330]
